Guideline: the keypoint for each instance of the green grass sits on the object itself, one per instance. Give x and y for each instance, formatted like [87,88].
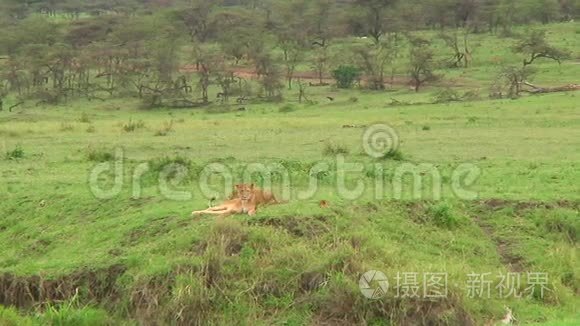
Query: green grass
[145,259]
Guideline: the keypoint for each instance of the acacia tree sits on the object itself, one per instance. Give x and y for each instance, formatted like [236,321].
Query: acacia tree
[373,17]
[393,46]
[373,60]
[320,61]
[421,64]
[535,46]
[196,18]
[323,22]
[291,35]
[459,46]
[234,29]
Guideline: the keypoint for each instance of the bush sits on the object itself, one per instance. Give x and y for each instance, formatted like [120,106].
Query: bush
[99,155]
[331,148]
[65,126]
[173,167]
[447,95]
[442,216]
[84,118]
[395,155]
[133,125]
[15,154]
[451,95]
[287,108]
[10,317]
[165,129]
[69,315]
[565,224]
[345,76]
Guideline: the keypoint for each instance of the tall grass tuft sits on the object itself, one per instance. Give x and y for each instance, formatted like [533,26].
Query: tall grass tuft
[131,125]
[166,128]
[15,154]
[442,216]
[395,155]
[99,154]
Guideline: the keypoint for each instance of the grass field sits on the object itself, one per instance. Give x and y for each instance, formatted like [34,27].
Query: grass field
[70,258]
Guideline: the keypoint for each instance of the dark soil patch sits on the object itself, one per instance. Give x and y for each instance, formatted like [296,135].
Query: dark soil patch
[148,296]
[496,204]
[94,285]
[302,227]
[154,228]
[512,261]
[311,281]
[225,237]
[148,299]
[417,211]
[347,308]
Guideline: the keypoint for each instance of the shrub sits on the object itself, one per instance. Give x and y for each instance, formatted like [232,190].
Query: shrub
[395,155]
[65,126]
[218,109]
[133,125]
[345,76]
[66,314]
[173,167]
[287,108]
[426,128]
[165,129]
[10,317]
[331,148]
[567,225]
[99,154]
[15,154]
[442,216]
[447,95]
[84,118]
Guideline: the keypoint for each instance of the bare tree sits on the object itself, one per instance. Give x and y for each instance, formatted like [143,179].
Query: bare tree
[509,81]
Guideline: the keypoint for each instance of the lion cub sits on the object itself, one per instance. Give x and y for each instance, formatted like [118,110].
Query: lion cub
[243,203]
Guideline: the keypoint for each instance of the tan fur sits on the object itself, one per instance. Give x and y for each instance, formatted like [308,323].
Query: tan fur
[245,202]
[261,197]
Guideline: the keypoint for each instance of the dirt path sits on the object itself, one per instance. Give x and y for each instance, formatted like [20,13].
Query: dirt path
[327,79]
[312,77]
[512,261]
